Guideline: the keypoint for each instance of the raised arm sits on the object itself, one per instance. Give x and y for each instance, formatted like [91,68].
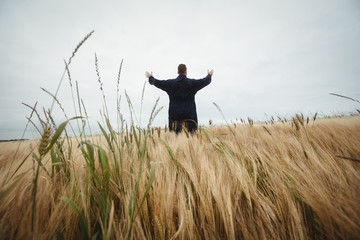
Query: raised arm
[162,84]
[201,83]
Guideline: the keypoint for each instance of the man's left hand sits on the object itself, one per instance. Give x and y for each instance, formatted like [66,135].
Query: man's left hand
[148,74]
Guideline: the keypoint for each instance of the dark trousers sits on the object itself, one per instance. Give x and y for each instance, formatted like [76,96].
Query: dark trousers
[188,125]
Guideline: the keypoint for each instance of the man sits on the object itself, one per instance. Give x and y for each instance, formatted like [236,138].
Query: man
[181,91]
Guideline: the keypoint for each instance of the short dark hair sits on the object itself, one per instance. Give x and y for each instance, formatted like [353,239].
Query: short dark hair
[182,69]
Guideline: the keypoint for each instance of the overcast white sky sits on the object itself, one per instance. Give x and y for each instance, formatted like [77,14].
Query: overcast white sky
[270,57]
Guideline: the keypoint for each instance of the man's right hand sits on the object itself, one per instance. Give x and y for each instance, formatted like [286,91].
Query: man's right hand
[148,75]
[211,72]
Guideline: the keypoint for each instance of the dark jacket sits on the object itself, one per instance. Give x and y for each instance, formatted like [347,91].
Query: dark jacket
[181,91]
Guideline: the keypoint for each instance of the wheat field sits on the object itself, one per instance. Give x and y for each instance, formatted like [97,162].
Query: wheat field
[282,180]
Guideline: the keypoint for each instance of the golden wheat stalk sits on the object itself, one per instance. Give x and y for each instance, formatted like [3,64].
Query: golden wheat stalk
[45,140]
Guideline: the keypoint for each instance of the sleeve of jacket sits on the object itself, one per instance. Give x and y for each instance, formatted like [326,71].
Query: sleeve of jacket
[162,84]
[201,83]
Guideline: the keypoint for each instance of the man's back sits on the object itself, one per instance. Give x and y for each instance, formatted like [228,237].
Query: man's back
[181,92]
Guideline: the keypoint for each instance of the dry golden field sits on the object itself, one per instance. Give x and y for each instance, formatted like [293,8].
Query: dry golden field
[291,180]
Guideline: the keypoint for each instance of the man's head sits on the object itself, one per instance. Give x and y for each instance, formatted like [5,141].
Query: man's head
[182,69]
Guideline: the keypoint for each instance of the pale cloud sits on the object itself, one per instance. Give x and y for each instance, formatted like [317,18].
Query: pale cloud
[269,58]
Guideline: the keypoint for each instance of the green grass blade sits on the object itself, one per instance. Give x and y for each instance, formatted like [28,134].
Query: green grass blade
[58,133]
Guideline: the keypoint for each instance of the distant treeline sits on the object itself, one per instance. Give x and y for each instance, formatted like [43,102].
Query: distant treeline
[13,140]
